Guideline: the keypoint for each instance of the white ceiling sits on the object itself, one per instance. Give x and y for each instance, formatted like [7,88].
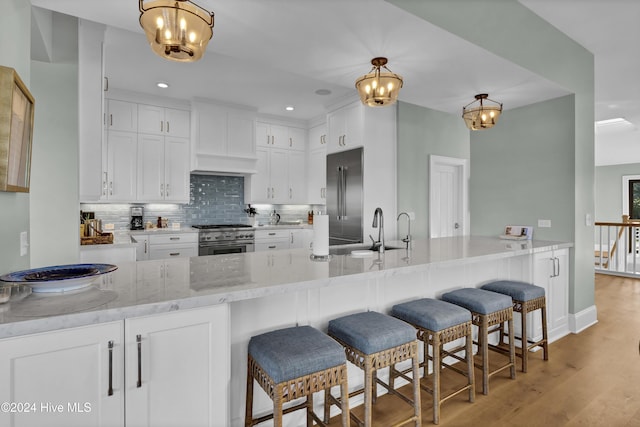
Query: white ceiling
[268,54]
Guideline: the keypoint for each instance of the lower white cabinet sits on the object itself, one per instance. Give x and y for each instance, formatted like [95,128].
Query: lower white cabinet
[177,245]
[177,368]
[161,370]
[267,240]
[551,271]
[66,378]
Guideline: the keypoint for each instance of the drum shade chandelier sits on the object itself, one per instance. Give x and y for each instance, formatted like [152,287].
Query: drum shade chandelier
[178,30]
[481,116]
[379,88]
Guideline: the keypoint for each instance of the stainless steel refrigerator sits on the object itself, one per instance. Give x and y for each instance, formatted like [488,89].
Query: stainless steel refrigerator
[344,196]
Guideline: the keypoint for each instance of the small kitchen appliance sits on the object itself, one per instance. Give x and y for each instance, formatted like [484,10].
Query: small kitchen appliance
[137,212]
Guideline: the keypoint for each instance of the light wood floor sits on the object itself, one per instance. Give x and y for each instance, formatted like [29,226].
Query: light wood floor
[591,379]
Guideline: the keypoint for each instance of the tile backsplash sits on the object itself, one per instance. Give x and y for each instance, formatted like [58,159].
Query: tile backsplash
[214,199]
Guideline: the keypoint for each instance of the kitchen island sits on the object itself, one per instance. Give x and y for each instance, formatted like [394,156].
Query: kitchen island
[201,312]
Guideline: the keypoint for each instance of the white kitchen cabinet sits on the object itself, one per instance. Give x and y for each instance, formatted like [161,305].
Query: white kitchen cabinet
[66,378]
[90,108]
[173,245]
[107,254]
[345,127]
[121,116]
[268,240]
[300,238]
[280,177]
[163,169]
[177,368]
[223,139]
[119,167]
[318,137]
[316,177]
[551,271]
[280,136]
[141,242]
[158,120]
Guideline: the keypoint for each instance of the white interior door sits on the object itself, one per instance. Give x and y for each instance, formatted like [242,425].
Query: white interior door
[448,196]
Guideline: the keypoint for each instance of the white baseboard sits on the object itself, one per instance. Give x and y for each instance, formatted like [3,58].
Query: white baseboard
[580,321]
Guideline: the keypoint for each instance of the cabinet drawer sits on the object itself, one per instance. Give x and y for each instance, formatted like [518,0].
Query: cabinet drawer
[163,239]
[270,246]
[274,235]
[178,251]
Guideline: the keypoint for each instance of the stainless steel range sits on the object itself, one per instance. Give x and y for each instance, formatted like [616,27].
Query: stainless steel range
[217,239]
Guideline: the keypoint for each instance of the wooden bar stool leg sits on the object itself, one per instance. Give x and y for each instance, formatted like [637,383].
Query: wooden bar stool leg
[484,343]
[368,389]
[309,410]
[248,410]
[470,368]
[545,345]
[416,387]
[525,340]
[327,405]
[344,400]
[436,377]
[277,407]
[512,349]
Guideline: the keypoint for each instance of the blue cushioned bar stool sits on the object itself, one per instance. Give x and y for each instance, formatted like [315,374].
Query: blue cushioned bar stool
[438,323]
[293,363]
[526,298]
[374,341]
[488,310]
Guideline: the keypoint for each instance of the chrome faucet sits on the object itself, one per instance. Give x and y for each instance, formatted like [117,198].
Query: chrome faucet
[407,239]
[380,243]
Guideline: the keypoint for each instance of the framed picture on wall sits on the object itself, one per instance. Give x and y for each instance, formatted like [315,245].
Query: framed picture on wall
[16,132]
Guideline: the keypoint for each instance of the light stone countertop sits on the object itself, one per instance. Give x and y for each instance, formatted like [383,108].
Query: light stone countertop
[137,288]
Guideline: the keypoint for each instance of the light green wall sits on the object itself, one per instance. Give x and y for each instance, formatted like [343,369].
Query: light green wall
[522,170]
[54,232]
[14,207]
[513,32]
[421,132]
[609,194]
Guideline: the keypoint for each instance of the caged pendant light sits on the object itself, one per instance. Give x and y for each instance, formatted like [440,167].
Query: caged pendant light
[379,88]
[178,30]
[481,116]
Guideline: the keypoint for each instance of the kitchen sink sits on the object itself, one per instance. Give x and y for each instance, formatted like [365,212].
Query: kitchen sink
[346,250]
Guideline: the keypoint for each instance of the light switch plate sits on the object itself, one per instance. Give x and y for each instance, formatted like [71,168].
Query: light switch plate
[544,223]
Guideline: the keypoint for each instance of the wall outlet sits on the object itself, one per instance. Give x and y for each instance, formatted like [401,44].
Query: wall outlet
[544,223]
[24,243]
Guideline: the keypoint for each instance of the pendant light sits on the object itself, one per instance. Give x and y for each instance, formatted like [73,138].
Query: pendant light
[379,88]
[481,116]
[178,30]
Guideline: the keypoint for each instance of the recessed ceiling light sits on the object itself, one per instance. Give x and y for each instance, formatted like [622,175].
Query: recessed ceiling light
[162,85]
[289,108]
[323,92]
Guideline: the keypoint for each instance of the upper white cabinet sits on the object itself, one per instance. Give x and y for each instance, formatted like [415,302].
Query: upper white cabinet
[345,127]
[121,116]
[157,120]
[163,168]
[119,167]
[316,177]
[280,136]
[90,108]
[223,139]
[280,178]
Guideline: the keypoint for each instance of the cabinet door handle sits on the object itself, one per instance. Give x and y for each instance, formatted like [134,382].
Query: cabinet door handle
[110,390]
[104,184]
[111,188]
[110,119]
[174,238]
[273,193]
[145,247]
[161,190]
[272,234]
[291,238]
[168,131]
[106,84]
[161,126]
[139,341]
[290,142]
[290,193]
[166,193]
[558,263]
[174,254]
[272,247]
